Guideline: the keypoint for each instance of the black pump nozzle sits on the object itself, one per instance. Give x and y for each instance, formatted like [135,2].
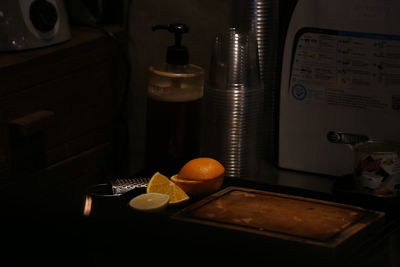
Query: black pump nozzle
[176,54]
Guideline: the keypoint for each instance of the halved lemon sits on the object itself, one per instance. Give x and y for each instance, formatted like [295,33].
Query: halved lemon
[161,184]
[152,202]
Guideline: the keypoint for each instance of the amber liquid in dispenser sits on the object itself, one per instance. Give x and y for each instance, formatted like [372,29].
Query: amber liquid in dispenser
[173,117]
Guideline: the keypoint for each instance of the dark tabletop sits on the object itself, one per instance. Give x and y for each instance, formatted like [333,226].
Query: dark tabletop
[112,234]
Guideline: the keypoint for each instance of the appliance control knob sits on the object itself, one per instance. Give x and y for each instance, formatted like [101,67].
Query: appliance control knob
[43,15]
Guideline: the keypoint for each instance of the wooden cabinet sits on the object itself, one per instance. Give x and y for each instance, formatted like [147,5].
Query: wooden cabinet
[57,119]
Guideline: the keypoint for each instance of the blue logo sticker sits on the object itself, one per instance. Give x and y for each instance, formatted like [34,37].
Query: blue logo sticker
[299,92]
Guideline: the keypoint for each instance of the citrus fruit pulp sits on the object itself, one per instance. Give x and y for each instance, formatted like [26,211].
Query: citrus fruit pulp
[149,202]
[198,187]
[161,184]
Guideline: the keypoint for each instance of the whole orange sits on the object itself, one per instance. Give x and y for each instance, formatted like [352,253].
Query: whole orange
[201,169]
[200,176]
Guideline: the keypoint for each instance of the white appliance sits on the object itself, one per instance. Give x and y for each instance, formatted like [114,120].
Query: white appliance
[340,72]
[27,24]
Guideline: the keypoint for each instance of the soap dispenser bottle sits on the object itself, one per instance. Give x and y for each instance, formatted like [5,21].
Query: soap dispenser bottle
[174,96]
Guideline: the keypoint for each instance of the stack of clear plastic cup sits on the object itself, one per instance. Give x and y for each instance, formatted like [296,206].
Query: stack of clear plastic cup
[233,103]
[262,17]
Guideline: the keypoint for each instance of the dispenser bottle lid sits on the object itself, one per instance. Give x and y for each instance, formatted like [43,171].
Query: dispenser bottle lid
[176,54]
